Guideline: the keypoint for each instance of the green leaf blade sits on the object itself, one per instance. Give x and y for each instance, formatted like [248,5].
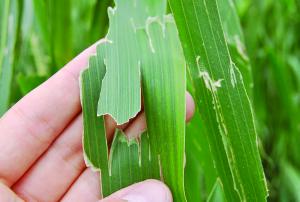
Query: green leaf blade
[222,100]
[163,79]
[94,138]
[9,29]
[127,164]
[122,80]
[141,57]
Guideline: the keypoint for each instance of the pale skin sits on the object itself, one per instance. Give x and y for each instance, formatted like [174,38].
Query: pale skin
[41,155]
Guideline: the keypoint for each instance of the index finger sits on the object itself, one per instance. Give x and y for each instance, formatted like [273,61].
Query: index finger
[32,124]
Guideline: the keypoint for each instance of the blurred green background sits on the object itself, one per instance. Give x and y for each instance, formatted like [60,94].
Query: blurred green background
[38,37]
[272,33]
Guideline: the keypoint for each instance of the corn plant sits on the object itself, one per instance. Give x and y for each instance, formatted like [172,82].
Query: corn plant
[239,59]
[144,52]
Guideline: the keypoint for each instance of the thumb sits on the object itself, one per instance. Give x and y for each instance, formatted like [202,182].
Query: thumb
[146,191]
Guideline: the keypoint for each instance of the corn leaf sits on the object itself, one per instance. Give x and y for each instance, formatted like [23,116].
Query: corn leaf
[124,154]
[222,100]
[216,193]
[99,23]
[235,41]
[132,157]
[146,55]
[27,83]
[164,85]
[291,180]
[121,92]
[82,12]
[9,24]
[200,174]
[128,161]
[94,139]
[89,22]
[54,22]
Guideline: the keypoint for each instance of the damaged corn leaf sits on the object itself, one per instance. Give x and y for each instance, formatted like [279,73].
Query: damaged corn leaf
[9,23]
[222,100]
[200,173]
[94,139]
[163,86]
[235,40]
[142,50]
[120,95]
[131,161]
[128,161]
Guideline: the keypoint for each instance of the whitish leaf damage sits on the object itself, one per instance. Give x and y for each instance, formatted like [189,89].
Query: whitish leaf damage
[232,69]
[210,84]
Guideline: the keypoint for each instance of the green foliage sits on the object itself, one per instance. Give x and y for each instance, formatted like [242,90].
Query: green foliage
[9,25]
[161,73]
[46,34]
[27,83]
[272,39]
[39,37]
[222,100]
[133,157]
[124,154]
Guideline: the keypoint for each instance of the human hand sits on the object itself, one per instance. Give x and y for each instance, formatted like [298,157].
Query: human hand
[41,155]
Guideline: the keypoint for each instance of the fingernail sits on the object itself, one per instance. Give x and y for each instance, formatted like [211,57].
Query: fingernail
[148,191]
[190,106]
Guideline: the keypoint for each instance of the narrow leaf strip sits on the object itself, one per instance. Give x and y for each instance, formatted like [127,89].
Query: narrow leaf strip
[163,79]
[94,138]
[130,161]
[9,23]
